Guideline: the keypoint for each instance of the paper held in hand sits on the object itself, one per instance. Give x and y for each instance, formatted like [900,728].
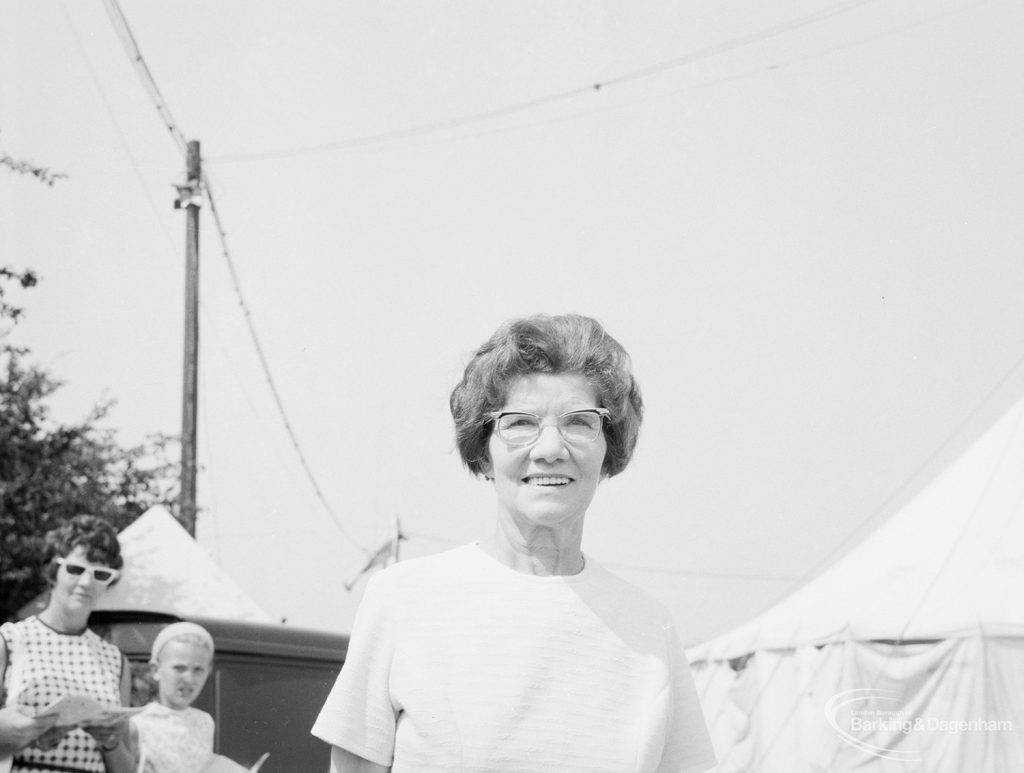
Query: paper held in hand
[79,710]
[220,764]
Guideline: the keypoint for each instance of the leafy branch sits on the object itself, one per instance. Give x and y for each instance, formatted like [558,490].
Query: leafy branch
[42,173]
[19,166]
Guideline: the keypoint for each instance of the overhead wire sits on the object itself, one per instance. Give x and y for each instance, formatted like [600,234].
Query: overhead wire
[648,71]
[720,80]
[639,567]
[739,41]
[714,50]
[699,573]
[152,89]
[149,83]
[124,32]
[265,365]
[122,137]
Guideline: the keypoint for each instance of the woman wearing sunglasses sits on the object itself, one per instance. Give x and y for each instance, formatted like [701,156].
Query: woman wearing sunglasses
[54,654]
[520,652]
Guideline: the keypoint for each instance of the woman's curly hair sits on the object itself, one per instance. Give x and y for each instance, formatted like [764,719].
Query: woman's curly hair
[86,531]
[564,344]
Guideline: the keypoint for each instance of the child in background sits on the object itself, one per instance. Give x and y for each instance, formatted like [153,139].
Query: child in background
[172,736]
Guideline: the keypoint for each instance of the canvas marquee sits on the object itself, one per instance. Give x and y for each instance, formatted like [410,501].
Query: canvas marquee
[166,570]
[907,656]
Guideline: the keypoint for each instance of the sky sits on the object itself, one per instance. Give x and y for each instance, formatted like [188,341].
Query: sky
[801,218]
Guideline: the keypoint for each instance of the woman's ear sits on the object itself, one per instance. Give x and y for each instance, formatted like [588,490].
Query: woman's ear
[50,570]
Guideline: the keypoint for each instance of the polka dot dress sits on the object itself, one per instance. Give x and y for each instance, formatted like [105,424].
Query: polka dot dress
[49,666]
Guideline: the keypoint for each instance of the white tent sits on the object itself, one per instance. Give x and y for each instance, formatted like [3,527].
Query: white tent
[166,570]
[907,655]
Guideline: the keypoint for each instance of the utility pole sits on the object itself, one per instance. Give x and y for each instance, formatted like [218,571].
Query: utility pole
[190,198]
[397,538]
[386,555]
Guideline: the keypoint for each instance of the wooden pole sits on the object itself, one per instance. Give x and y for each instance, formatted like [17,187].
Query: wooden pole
[190,197]
[397,538]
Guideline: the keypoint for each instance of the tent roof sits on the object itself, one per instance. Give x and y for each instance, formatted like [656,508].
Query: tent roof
[167,571]
[948,564]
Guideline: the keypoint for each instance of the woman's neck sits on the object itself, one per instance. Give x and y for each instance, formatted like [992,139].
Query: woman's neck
[63,621]
[542,552]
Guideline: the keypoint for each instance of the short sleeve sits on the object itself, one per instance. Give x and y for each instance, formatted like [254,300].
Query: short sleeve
[359,715]
[207,730]
[7,634]
[688,747]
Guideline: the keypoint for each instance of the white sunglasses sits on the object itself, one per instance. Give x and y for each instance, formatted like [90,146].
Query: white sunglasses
[100,574]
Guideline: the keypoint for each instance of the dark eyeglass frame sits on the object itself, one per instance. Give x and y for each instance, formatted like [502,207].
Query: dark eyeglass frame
[495,417]
[77,570]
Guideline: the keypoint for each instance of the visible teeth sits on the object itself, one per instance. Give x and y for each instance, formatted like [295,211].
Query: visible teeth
[548,480]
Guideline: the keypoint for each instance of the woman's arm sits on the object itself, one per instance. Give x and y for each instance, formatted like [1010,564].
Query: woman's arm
[117,743]
[119,757]
[344,761]
[126,681]
[17,730]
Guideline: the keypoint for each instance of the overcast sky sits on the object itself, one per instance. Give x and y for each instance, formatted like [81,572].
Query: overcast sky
[802,219]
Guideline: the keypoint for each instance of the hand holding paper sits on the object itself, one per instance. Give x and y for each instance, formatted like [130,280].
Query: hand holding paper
[220,764]
[78,710]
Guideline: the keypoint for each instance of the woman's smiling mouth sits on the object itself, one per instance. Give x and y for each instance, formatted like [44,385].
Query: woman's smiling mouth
[547,480]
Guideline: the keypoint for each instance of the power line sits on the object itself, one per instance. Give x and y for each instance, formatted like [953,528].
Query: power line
[266,371]
[210,327]
[683,60]
[149,83]
[117,126]
[703,574]
[637,567]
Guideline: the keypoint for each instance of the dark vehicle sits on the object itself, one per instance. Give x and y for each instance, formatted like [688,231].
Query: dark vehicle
[264,693]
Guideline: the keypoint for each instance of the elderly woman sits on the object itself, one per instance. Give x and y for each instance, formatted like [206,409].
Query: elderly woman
[521,653]
[54,654]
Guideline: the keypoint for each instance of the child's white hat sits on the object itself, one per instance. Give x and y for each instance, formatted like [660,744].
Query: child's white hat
[174,630]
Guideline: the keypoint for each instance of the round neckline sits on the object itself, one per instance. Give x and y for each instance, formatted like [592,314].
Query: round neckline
[58,631]
[168,709]
[580,576]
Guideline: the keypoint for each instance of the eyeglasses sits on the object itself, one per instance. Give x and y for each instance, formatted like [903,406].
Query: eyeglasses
[523,429]
[99,574]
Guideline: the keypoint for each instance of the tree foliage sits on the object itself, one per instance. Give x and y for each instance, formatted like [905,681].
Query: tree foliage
[41,173]
[25,278]
[21,166]
[51,471]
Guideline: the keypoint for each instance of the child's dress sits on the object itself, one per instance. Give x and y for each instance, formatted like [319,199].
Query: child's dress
[173,741]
